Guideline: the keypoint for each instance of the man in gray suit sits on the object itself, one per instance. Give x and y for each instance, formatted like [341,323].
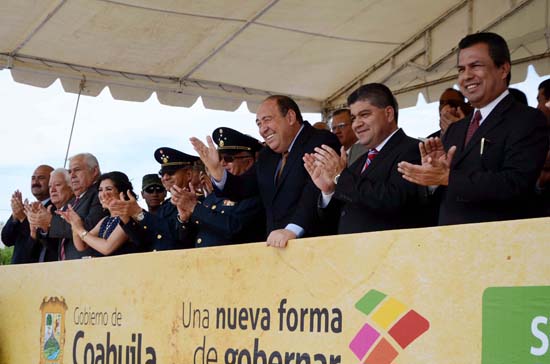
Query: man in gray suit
[84,172]
[341,127]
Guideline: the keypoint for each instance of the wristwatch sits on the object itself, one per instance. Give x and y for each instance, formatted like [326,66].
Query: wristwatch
[336,178]
[139,217]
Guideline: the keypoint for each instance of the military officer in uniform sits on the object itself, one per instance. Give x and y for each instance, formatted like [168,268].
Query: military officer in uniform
[160,231]
[220,221]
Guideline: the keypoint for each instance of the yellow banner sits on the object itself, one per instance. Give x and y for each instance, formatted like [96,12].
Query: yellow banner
[408,296]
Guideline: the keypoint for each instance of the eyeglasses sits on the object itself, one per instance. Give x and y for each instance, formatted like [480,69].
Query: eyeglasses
[231,158]
[170,173]
[153,189]
[338,127]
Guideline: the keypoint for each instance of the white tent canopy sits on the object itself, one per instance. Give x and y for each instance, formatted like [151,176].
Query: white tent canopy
[232,51]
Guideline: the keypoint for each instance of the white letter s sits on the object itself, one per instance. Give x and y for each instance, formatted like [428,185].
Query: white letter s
[539,335]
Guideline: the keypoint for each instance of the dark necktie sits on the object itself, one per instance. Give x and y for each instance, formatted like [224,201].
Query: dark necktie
[284,157]
[370,157]
[62,252]
[474,125]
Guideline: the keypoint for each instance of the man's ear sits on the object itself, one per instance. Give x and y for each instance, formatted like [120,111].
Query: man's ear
[506,67]
[390,114]
[291,117]
[96,173]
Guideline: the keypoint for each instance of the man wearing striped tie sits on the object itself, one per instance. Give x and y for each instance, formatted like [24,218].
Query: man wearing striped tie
[488,162]
[370,195]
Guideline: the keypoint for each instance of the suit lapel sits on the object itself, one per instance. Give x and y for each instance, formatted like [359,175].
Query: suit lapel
[295,154]
[492,120]
[462,127]
[383,154]
[266,172]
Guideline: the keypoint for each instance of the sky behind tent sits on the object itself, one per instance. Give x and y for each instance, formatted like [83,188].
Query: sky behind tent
[123,135]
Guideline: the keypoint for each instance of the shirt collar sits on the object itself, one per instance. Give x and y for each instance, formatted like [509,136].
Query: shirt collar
[295,137]
[381,145]
[486,110]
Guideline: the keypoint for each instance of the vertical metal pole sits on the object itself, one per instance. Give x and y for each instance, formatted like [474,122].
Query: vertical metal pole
[82,82]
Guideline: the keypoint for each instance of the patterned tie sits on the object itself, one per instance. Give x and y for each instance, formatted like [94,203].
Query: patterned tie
[284,157]
[370,157]
[474,124]
[62,253]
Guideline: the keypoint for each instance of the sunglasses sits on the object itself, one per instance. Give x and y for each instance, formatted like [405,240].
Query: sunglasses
[339,127]
[153,189]
[231,158]
[170,173]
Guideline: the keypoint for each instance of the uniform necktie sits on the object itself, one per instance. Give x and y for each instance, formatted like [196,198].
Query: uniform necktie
[62,253]
[284,157]
[370,157]
[474,124]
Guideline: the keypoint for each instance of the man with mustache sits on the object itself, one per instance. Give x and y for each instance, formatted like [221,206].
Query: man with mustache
[16,231]
[60,194]
[84,172]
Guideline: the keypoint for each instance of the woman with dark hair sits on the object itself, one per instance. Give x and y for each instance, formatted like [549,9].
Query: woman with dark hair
[107,237]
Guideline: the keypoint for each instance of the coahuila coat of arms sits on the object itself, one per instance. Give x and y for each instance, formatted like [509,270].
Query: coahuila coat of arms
[52,330]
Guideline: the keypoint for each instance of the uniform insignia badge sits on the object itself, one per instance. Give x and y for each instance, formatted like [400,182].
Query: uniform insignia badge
[228,203]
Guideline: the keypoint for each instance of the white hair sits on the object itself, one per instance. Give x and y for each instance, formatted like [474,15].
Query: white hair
[90,160]
[65,174]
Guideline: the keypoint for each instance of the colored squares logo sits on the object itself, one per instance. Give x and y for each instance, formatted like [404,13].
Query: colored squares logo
[390,319]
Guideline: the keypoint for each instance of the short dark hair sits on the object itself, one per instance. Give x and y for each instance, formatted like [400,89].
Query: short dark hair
[341,111]
[121,182]
[545,87]
[377,94]
[498,48]
[285,103]
[454,90]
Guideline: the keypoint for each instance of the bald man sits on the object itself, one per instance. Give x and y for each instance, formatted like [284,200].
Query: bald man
[16,231]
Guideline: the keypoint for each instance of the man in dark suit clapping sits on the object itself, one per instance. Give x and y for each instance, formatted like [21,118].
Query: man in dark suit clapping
[487,163]
[370,195]
[288,194]
[84,172]
[16,231]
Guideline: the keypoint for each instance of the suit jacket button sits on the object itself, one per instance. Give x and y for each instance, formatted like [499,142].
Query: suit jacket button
[159,236]
[199,240]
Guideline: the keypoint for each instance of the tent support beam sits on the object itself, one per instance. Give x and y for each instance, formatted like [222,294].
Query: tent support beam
[43,22]
[427,48]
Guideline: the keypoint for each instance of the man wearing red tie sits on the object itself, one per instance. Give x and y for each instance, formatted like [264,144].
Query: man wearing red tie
[487,163]
[370,195]
[84,172]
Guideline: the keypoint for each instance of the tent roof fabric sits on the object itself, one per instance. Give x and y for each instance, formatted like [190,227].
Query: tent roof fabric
[227,52]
